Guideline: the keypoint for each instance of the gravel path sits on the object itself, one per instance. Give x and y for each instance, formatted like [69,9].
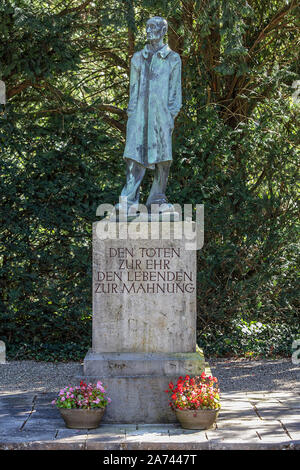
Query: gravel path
[263,375]
[234,375]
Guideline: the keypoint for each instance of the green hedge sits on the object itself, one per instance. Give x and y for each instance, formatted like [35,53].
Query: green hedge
[62,136]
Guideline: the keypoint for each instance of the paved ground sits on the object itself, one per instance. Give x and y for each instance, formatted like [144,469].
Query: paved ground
[260,410]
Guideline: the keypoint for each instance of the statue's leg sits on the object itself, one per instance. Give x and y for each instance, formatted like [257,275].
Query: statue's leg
[157,194]
[134,175]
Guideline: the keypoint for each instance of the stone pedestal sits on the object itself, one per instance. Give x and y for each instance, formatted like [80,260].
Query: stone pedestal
[144,317]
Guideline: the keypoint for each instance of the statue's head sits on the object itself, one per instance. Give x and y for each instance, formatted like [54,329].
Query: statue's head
[156,28]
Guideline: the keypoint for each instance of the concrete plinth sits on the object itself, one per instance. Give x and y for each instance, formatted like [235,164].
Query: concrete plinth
[136,382]
[144,317]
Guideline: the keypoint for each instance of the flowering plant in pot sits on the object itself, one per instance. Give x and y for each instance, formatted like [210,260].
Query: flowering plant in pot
[195,400]
[83,406]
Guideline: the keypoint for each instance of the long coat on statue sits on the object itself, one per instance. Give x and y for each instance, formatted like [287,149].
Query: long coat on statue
[155,101]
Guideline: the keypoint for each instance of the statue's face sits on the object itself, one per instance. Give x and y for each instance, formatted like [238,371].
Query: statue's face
[155,29]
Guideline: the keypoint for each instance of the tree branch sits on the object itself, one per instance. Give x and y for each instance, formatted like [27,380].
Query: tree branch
[271,25]
[259,180]
[98,109]
[18,88]
[109,53]
[81,7]
[81,107]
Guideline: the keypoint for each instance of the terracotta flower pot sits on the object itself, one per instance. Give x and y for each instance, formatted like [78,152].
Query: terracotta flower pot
[197,419]
[80,418]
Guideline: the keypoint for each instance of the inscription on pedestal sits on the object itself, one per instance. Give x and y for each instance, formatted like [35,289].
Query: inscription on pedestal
[144,294]
[143,270]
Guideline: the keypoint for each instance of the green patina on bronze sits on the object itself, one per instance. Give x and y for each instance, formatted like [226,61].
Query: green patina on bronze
[155,101]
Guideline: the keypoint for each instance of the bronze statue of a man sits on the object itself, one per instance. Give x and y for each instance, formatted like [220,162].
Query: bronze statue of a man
[155,101]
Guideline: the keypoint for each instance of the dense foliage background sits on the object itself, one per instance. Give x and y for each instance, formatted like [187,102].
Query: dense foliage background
[62,132]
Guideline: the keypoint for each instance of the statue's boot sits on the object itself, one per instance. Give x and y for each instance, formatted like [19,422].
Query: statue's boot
[157,197]
[129,198]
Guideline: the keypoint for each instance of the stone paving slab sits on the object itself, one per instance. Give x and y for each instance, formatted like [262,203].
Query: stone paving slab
[255,420]
[292,427]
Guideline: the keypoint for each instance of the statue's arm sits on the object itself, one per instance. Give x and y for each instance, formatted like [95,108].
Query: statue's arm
[134,84]
[175,97]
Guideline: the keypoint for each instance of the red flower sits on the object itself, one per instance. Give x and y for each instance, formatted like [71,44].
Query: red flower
[194,392]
